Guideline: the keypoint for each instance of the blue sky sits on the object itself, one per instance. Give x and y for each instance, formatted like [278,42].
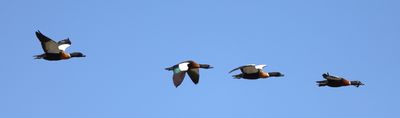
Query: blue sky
[129,43]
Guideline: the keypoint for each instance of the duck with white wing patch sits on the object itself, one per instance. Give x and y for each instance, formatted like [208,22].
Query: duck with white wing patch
[253,72]
[191,67]
[55,51]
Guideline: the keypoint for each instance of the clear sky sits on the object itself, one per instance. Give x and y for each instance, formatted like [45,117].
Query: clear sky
[128,44]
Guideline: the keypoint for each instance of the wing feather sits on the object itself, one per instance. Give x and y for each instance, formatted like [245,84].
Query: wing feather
[178,78]
[64,44]
[194,75]
[333,78]
[249,70]
[260,66]
[241,67]
[48,45]
[183,66]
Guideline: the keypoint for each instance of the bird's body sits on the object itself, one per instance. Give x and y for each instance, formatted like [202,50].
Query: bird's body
[55,51]
[252,76]
[252,72]
[53,56]
[191,67]
[334,81]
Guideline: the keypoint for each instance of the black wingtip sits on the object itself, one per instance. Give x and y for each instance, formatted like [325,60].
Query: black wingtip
[38,33]
[231,71]
[196,82]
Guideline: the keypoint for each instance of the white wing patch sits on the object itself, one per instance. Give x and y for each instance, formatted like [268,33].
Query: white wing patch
[184,66]
[260,66]
[63,47]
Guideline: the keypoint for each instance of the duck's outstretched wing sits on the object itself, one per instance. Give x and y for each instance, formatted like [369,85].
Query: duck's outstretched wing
[64,44]
[248,69]
[194,75]
[241,67]
[48,45]
[178,78]
[333,78]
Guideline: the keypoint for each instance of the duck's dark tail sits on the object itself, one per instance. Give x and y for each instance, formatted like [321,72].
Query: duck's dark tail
[237,76]
[169,68]
[41,56]
[322,83]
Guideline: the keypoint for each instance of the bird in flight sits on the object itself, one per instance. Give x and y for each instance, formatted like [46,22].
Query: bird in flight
[252,72]
[334,81]
[54,51]
[191,67]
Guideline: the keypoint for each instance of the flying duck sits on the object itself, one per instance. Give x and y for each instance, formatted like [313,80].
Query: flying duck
[334,81]
[54,51]
[191,67]
[252,72]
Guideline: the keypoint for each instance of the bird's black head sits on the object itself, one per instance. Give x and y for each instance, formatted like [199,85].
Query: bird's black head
[77,54]
[275,74]
[205,66]
[356,83]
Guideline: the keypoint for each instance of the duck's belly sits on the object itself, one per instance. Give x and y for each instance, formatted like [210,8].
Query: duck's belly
[339,84]
[52,56]
[251,76]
